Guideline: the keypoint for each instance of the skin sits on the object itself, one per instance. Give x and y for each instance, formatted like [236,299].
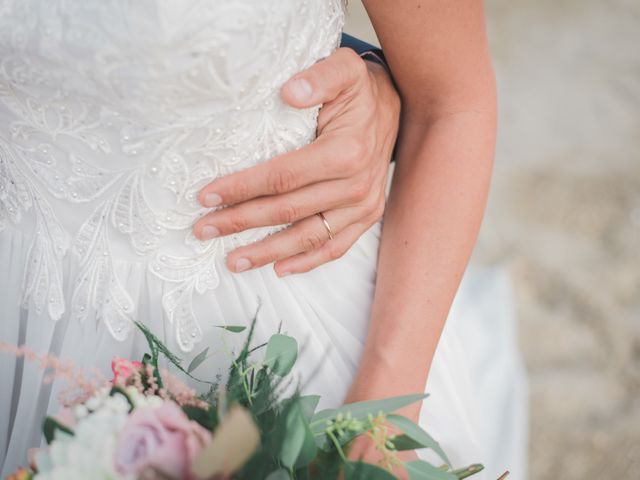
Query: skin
[442,67]
[342,174]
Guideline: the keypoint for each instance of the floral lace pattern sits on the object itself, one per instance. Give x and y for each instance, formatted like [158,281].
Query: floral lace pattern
[114,113]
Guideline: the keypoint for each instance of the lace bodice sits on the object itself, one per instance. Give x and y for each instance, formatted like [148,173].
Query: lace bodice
[114,113]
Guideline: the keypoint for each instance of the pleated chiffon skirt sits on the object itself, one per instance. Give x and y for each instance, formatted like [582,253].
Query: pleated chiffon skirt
[477,404]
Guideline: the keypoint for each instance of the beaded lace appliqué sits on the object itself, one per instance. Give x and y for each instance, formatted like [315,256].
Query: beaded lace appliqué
[113,114]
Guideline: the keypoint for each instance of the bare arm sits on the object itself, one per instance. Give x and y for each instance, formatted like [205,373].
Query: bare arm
[442,68]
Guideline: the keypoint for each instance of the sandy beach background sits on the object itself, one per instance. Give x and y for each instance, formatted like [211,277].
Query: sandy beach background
[564,218]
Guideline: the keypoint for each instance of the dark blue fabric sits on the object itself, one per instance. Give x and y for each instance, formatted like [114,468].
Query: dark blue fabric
[356,44]
[361,47]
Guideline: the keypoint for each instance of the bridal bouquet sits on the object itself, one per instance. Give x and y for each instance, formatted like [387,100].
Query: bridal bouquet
[147,424]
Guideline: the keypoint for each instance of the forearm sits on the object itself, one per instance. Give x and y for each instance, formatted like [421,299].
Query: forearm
[430,227]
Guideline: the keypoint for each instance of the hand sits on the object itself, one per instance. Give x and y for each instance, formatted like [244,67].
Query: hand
[342,174]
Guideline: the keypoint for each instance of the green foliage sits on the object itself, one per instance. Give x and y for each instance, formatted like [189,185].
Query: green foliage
[418,435]
[119,391]
[208,419]
[232,328]
[404,442]
[298,447]
[197,360]
[296,442]
[420,470]
[468,471]
[280,474]
[282,353]
[365,471]
[49,428]
[157,347]
[359,411]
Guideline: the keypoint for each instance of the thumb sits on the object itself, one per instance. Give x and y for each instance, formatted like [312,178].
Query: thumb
[337,74]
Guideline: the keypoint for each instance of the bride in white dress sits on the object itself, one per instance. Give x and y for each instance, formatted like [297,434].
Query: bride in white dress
[115,114]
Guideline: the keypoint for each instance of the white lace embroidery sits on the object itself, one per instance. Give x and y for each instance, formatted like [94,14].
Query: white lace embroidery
[114,113]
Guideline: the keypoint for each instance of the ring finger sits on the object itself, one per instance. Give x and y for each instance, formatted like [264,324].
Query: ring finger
[307,234]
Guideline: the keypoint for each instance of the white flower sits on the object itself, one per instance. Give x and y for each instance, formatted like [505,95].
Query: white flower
[117,404]
[89,453]
[140,400]
[80,411]
[94,403]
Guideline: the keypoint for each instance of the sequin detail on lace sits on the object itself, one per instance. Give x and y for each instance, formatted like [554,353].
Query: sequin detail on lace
[115,113]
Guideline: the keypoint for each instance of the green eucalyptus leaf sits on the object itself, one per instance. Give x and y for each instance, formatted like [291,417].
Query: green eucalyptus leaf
[416,433]
[293,440]
[280,474]
[365,471]
[421,470]
[281,355]
[309,449]
[197,360]
[308,403]
[50,426]
[404,442]
[466,472]
[299,447]
[232,328]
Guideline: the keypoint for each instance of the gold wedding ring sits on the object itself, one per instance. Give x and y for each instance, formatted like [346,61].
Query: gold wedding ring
[326,224]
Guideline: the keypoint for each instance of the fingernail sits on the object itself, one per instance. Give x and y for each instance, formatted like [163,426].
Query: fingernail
[284,274]
[301,89]
[242,264]
[212,200]
[209,231]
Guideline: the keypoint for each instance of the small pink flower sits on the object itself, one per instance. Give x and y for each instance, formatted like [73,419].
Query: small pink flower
[162,439]
[123,369]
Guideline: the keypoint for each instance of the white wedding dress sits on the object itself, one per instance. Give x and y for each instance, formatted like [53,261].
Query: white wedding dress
[113,114]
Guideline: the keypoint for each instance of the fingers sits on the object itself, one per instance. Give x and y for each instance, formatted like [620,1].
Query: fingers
[329,251]
[322,161]
[283,209]
[305,235]
[325,80]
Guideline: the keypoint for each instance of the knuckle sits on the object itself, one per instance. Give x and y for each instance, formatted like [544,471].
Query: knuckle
[281,180]
[311,241]
[354,151]
[241,190]
[266,256]
[355,62]
[377,210]
[236,221]
[286,213]
[360,190]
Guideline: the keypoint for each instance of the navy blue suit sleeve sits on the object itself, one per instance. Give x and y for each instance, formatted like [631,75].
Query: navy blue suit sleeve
[355,44]
[364,49]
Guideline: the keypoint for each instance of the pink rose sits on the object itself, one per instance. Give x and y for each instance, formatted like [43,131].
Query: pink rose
[162,439]
[123,368]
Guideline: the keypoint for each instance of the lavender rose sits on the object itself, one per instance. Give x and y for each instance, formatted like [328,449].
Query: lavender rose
[162,439]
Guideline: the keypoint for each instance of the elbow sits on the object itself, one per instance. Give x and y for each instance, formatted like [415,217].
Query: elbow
[470,92]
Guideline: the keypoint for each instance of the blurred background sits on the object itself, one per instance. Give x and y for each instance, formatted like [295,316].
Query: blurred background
[564,219]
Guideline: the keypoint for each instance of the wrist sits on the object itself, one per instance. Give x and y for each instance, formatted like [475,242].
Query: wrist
[381,378]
